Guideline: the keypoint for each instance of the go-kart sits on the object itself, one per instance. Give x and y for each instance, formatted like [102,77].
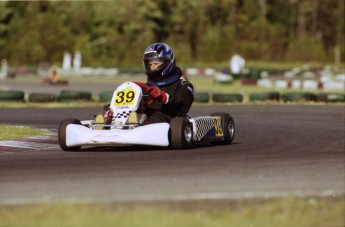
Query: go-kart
[123,124]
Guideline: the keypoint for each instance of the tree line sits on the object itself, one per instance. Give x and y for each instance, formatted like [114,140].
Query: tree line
[115,33]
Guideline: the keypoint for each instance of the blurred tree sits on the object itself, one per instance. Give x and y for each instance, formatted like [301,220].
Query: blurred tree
[36,35]
[340,33]
[158,13]
[112,33]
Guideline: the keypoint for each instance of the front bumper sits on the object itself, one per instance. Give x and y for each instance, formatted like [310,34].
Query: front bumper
[153,135]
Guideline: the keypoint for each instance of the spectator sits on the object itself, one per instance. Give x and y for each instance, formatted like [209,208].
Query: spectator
[237,64]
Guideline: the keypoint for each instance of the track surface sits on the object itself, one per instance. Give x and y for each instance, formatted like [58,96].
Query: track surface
[278,151]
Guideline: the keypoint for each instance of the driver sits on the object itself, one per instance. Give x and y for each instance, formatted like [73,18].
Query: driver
[172,95]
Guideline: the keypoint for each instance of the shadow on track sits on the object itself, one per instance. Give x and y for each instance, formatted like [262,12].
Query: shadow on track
[134,148]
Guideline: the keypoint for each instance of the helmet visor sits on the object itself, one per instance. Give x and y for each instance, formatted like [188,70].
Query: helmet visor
[154,64]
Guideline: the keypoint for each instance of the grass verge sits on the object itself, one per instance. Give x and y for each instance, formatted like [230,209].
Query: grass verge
[10,132]
[286,212]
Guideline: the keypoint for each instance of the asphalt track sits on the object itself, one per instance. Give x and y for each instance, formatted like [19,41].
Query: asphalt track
[278,151]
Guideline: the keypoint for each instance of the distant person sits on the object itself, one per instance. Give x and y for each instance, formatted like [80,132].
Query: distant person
[67,60]
[4,68]
[54,76]
[77,60]
[237,64]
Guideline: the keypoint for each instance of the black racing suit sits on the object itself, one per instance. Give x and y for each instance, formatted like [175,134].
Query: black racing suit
[181,97]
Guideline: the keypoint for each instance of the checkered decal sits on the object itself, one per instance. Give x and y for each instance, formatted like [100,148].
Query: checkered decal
[203,126]
[123,114]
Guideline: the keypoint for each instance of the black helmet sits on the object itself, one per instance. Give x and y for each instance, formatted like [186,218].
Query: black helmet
[159,52]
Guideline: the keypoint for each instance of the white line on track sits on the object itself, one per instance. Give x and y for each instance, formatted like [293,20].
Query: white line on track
[214,196]
[42,142]
[27,145]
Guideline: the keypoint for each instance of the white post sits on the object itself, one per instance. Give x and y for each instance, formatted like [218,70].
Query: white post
[4,69]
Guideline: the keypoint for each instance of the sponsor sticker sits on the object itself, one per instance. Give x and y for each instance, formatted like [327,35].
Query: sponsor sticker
[218,126]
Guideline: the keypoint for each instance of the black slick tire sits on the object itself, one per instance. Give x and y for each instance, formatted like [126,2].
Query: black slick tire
[202,97]
[298,97]
[41,97]
[12,95]
[181,133]
[272,96]
[62,134]
[228,127]
[223,98]
[106,96]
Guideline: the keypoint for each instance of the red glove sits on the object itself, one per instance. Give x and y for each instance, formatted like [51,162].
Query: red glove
[146,87]
[142,85]
[157,94]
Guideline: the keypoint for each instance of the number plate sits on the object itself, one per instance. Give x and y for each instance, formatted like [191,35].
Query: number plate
[124,98]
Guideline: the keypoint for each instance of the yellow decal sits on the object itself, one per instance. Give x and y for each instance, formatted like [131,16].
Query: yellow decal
[218,126]
[125,97]
[99,120]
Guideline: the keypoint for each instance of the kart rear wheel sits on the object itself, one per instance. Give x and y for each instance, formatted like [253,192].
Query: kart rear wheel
[228,126]
[62,134]
[181,133]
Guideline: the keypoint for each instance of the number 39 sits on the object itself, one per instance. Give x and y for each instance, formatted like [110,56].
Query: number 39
[124,97]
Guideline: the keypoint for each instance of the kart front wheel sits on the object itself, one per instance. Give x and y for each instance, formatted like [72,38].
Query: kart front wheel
[228,127]
[62,134]
[181,133]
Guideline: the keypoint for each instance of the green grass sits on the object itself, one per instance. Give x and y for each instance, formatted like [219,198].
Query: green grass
[312,212]
[10,132]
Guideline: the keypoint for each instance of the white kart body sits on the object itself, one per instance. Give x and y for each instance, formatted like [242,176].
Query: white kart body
[126,99]
[77,135]
[126,126]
